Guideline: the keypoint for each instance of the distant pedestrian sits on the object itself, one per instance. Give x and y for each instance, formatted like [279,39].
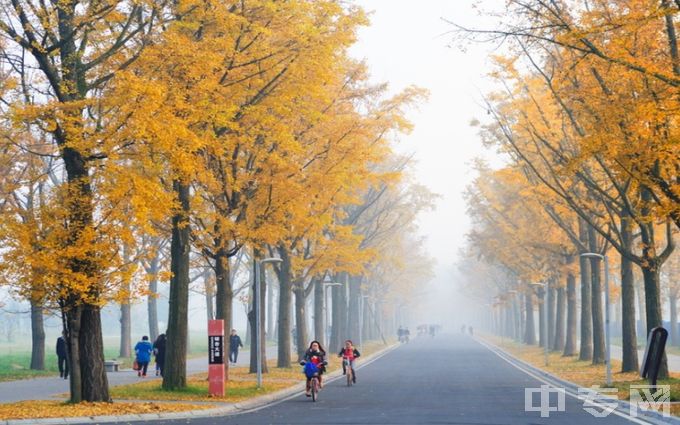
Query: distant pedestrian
[234,344]
[159,353]
[62,356]
[471,331]
[143,351]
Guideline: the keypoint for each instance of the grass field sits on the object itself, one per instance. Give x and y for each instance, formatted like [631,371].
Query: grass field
[15,358]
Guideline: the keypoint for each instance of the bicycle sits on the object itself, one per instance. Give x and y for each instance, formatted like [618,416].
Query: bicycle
[314,379]
[314,384]
[348,371]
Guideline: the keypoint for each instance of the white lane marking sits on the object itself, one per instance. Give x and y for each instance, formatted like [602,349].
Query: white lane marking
[567,391]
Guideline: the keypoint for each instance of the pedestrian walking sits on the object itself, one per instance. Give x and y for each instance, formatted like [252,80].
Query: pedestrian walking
[62,356]
[143,351]
[234,344]
[159,353]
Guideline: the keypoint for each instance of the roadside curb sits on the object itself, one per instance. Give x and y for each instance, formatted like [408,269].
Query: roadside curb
[623,406]
[228,410]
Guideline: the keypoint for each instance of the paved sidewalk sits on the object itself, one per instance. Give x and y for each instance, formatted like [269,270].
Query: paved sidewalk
[49,388]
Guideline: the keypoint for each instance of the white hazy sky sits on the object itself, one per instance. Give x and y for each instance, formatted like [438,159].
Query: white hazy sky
[405,44]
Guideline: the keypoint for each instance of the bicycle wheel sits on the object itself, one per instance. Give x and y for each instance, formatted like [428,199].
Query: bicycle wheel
[350,372]
[315,388]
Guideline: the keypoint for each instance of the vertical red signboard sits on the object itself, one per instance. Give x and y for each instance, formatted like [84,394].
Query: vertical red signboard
[216,357]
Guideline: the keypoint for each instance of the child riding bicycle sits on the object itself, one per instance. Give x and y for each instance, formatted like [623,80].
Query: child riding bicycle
[350,353]
[314,363]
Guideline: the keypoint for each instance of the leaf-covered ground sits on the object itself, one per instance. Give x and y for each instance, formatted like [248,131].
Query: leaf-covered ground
[584,373]
[57,409]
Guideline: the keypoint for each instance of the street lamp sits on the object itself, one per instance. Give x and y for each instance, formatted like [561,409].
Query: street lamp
[258,332]
[607,333]
[325,306]
[542,292]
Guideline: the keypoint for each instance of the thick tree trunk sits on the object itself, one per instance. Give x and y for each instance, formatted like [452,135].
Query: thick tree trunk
[560,320]
[37,336]
[284,341]
[174,375]
[319,310]
[94,380]
[73,322]
[210,291]
[252,315]
[552,313]
[653,304]
[586,351]
[224,296]
[530,329]
[640,291]
[572,318]
[628,323]
[651,268]
[300,319]
[125,329]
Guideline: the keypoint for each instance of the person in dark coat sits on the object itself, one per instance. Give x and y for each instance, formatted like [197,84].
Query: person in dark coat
[234,344]
[159,353]
[62,356]
[143,351]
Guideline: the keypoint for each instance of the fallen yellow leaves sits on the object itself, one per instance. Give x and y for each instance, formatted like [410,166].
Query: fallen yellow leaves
[34,409]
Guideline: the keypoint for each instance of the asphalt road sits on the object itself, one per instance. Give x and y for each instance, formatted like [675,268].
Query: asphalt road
[442,380]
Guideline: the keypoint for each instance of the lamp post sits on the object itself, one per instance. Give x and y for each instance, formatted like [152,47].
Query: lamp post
[542,292]
[607,333]
[325,307]
[258,332]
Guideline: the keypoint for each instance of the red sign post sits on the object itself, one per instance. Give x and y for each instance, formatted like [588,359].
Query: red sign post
[216,357]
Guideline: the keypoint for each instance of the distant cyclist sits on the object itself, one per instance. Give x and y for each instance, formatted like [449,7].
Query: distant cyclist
[316,357]
[350,353]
